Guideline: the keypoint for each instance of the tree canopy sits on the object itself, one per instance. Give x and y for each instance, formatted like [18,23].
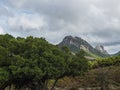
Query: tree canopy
[32,61]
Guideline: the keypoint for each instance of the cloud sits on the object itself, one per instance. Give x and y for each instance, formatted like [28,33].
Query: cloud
[4,10]
[92,14]
[26,21]
[25,24]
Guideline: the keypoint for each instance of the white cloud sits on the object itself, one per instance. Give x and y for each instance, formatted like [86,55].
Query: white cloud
[26,21]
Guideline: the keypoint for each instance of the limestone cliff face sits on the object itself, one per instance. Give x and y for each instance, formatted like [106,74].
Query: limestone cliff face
[75,43]
[101,49]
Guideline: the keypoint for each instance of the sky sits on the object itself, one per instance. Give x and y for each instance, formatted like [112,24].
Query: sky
[96,21]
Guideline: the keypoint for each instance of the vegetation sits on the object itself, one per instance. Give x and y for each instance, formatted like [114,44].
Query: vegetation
[109,61]
[31,62]
[104,75]
[34,63]
[107,78]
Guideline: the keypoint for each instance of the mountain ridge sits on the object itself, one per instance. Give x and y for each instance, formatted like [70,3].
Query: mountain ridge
[77,43]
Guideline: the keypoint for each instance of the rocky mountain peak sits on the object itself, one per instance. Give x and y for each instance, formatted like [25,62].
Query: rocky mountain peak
[101,49]
[74,41]
[67,37]
[71,38]
[75,44]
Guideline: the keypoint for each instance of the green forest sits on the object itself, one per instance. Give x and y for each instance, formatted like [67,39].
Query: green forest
[35,64]
[31,62]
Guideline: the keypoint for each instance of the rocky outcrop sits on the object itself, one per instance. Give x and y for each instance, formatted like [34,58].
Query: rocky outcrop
[101,49]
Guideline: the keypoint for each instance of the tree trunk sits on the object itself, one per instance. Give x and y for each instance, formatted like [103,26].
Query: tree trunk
[54,84]
[40,86]
[4,85]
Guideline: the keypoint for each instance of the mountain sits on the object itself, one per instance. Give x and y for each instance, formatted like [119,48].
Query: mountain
[77,43]
[101,49]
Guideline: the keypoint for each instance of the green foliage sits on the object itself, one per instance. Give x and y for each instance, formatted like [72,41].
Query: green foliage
[3,74]
[79,64]
[103,62]
[33,61]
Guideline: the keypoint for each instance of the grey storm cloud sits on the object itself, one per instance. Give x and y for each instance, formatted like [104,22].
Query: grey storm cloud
[97,21]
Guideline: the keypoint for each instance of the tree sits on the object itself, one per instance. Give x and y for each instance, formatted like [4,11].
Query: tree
[32,62]
[75,65]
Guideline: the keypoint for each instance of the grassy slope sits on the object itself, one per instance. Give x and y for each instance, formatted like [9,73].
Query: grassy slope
[92,55]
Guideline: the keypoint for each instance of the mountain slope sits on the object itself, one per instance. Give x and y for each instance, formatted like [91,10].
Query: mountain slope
[77,43]
[116,54]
